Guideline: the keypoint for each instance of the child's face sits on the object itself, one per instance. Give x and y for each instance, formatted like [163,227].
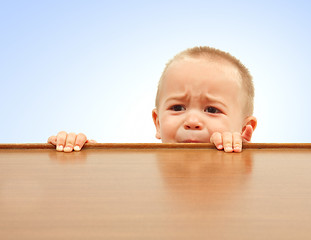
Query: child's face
[197,98]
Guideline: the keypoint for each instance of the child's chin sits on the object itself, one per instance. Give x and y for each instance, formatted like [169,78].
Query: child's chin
[192,141]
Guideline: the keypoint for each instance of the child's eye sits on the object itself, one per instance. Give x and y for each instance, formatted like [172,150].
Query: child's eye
[212,110]
[177,108]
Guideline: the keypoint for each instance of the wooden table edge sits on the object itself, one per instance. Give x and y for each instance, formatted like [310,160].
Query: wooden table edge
[153,145]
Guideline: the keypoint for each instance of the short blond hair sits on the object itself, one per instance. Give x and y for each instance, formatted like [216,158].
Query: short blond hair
[216,54]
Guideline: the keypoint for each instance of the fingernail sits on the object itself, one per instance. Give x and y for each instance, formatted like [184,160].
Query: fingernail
[228,149]
[77,148]
[220,147]
[59,148]
[67,149]
[237,149]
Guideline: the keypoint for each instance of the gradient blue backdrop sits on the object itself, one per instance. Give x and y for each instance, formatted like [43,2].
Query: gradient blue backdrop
[93,66]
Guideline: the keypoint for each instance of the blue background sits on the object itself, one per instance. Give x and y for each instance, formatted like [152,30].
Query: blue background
[93,66]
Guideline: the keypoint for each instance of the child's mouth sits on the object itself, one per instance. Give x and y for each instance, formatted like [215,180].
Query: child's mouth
[191,141]
[192,136]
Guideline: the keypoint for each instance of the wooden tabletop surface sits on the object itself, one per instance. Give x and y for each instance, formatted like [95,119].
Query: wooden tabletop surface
[174,192]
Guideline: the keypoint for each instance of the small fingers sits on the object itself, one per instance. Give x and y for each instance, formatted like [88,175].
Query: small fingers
[61,140]
[52,140]
[80,141]
[216,139]
[227,141]
[230,142]
[70,142]
[237,142]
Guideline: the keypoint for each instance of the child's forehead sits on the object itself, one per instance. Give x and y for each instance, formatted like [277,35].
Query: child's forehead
[201,61]
[202,68]
[195,78]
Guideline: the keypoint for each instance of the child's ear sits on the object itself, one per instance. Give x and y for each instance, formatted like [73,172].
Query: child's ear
[155,117]
[249,126]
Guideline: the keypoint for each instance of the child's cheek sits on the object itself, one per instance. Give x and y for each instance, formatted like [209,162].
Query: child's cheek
[219,125]
[169,126]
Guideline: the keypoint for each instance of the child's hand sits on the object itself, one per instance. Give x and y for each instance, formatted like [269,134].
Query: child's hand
[68,142]
[232,142]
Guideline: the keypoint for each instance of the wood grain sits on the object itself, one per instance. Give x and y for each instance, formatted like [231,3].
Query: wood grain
[155,193]
[153,145]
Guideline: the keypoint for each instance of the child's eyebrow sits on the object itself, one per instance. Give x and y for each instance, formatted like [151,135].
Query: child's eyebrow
[209,98]
[215,100]
[177,97]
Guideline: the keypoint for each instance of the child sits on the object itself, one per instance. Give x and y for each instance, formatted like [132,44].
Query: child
[204,95]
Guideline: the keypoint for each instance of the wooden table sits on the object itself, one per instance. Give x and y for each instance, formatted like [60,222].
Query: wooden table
[155,191]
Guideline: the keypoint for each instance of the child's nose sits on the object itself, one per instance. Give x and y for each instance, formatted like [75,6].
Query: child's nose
[193,122]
